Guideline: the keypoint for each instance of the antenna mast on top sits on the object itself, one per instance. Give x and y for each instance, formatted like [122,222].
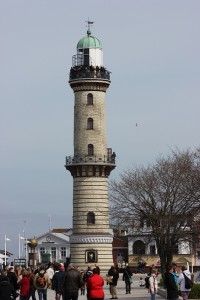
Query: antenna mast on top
[89,23]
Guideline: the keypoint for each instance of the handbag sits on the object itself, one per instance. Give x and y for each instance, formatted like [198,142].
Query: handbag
[129,278]
[188,282]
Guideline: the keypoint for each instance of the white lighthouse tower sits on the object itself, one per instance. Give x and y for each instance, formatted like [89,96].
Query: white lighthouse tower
[92,161]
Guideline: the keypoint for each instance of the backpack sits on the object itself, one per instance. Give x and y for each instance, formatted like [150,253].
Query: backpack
[41,282]
[188,282]
[147,284]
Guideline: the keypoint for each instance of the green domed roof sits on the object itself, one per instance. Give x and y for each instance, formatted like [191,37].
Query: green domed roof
[89,41]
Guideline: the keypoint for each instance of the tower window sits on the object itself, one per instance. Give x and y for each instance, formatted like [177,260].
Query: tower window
[90,123]
[90,149]
[90,99]
[90,218]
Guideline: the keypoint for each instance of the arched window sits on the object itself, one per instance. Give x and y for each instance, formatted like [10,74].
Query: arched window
[90,218]
[90,99]
[90,149]
[89,123]
[139,247]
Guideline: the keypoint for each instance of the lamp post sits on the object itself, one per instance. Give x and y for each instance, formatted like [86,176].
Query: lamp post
[27,242]
[6,239]
[20,238]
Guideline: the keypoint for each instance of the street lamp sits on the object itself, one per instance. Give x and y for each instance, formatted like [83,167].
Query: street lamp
[6,239]
[20,238]
[27,242]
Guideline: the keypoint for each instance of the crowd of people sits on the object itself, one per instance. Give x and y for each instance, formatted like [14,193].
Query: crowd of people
[67,282]
[175,280]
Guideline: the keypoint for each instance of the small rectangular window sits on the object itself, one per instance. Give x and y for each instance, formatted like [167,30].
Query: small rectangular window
[63,252]
[53,253]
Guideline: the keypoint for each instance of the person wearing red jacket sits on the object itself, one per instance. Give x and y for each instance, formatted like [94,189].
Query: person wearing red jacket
[95,286]
[24,284]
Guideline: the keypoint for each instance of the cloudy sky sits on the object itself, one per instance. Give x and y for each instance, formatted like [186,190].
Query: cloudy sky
[152,48]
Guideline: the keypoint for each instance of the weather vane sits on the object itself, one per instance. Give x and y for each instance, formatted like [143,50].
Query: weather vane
[89,23]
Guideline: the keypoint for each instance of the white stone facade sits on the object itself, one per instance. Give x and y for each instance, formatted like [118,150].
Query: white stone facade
[57,245]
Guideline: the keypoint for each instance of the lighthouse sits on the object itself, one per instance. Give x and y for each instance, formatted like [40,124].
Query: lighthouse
[92,161]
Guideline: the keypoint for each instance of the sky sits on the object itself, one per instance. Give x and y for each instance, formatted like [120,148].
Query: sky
[151,48]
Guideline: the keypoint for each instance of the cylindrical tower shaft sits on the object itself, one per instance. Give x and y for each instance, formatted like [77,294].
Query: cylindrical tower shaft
[92,162]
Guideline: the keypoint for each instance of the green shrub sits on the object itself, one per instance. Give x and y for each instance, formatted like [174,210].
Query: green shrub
[195,292]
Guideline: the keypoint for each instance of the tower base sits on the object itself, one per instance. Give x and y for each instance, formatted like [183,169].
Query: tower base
[90,250]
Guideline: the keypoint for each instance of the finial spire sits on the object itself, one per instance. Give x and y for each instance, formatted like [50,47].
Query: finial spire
[89,23]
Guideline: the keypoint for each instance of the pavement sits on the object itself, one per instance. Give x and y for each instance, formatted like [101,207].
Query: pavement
[137,293]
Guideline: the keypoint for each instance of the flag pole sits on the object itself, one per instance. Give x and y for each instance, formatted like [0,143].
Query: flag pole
[5,249]
[19,244]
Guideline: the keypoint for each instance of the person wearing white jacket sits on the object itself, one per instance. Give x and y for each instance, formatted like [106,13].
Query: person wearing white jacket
[181,281]
[153,284]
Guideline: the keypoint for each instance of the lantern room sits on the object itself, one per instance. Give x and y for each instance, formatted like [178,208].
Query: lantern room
[89,52]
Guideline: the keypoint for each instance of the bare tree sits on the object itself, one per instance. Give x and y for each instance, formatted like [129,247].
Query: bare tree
[166,195]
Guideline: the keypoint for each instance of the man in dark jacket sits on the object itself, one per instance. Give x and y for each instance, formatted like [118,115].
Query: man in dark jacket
[127,278]
[58,282]
[72,283]
[6,289]
[113,284]
[171,286]
[13,279]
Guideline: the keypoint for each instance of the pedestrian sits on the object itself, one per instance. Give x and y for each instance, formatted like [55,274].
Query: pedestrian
[42,282]
[32,286]
[6,289]
[83,277]
[153,284]
[95,286]
[141,282]
[174,266]
[87,275]
[98,269]
[72,283]
[127,277]
[113,284]
[50,272]
[181,281]
[24,284]
[171,285]
[13,279]
[58,282]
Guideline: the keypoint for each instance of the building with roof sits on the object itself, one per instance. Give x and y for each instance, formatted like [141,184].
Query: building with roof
[52,246]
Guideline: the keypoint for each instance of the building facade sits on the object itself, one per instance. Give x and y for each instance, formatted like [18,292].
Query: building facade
[142,249]
[52,246]
[92,161]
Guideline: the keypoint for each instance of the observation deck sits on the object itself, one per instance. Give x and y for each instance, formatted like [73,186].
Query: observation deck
[88,72]
[90,159]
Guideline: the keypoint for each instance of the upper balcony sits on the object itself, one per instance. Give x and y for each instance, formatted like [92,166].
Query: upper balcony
[91,159]
[79,72]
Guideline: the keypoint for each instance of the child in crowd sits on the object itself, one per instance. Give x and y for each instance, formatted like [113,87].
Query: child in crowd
[141,282]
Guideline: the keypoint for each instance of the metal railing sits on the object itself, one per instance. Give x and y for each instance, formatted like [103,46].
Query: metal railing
[108,159]
[89,72]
